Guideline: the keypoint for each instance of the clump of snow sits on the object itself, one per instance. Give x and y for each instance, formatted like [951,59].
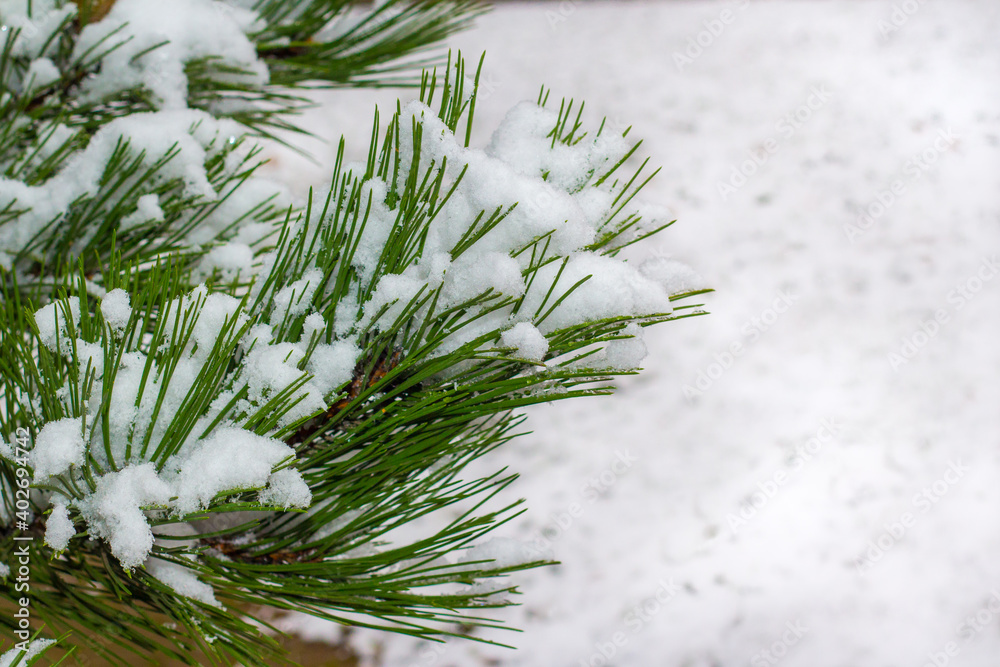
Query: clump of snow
[258,335]
[41,73]
[114,512]
[53,327]
[527,340]
[270,368]
[152,43]
[377,228]
[218,311]
[287,489]
[183,580]
[117,309]
[209,468]
[131,413]
[554,196]
[596,204]
[490,183]
[230,259]
[147,209]
[6,451]
[190,132]
[313,324]
[58,445]
[90,355]
[4,571]
[124,416]
[59,527]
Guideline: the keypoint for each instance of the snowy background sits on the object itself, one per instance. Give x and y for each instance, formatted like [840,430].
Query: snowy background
[809,476]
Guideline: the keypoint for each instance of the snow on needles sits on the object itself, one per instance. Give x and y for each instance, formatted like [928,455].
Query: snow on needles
[189,135]
[37,20]
[53,324]
[227,459]
[209,468]
[117,309]
[555,191]
[141,46]
[155,450]
[153,41]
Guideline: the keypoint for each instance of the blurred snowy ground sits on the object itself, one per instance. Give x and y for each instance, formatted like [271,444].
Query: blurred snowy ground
[816,502]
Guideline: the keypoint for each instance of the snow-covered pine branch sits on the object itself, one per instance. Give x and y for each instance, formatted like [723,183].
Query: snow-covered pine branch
[238,399]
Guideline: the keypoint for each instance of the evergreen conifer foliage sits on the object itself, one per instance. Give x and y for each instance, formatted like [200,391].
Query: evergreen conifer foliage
[217,399]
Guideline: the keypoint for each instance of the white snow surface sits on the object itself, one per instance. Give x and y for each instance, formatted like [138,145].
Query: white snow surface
[826,488]
[294,299]
[626,353]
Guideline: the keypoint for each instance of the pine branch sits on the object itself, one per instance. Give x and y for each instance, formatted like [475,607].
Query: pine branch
[362,52]
[165,313]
